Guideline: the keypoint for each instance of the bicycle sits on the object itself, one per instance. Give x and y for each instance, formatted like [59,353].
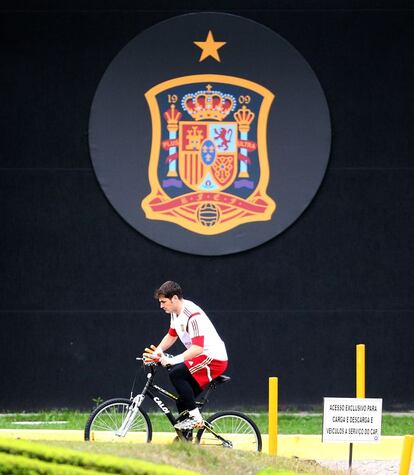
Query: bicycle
[121,418]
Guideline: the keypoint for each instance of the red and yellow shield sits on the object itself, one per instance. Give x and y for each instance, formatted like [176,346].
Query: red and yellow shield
[209,168]
[207,154]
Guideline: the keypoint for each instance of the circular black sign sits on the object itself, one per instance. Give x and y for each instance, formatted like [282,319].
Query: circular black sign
[209,133]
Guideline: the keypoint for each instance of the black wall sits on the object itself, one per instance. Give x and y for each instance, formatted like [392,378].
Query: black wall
[76,290]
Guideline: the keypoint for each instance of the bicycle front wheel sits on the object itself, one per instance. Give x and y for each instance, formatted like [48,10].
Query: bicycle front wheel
[107,419]
[230,429]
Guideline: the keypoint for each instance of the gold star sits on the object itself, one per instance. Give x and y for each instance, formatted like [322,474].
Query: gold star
[209,47]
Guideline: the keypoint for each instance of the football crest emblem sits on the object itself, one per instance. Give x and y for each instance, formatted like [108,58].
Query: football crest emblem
[209,168]
[209,133]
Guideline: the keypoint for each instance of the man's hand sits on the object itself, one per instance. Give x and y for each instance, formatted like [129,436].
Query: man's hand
[170,360]
[152,355]
[165,360]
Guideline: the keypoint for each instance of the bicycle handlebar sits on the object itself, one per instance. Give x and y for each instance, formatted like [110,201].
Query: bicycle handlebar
[138,358]
[146,364]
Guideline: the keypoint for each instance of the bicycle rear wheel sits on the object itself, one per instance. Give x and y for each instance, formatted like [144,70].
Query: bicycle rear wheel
[107,418]
[230,429]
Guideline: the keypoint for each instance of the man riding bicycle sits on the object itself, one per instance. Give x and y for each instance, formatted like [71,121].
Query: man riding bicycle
[204,359]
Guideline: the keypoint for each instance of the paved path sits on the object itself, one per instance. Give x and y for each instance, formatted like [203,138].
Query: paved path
[367,467]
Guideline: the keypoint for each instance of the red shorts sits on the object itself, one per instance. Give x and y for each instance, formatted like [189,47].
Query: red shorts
[204,369]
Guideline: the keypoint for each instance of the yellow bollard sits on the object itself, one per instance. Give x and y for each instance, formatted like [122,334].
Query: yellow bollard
[273,410]
[406,454]
[360,371]
[360,386]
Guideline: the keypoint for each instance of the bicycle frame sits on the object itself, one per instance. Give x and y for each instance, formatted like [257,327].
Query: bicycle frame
[151,390]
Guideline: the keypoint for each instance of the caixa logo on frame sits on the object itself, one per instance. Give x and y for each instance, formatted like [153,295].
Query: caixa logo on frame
[209,133]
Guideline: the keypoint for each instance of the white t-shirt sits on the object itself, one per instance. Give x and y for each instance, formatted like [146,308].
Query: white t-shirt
[193,327]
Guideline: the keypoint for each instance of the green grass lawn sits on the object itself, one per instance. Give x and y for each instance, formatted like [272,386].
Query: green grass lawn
[211,461]
[214,461]
[288,423]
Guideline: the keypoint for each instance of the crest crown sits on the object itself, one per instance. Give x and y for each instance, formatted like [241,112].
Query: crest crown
[244,117]
[208,104]
[172,116]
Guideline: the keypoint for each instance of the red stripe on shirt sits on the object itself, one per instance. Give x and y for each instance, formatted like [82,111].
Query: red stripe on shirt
[198,340]
[172,332]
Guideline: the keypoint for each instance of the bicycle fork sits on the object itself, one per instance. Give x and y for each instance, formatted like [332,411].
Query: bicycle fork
[131,415]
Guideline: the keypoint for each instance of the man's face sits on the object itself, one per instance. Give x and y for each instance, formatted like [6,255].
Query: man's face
[171,305]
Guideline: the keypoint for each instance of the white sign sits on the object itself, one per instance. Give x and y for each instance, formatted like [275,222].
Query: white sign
[351,420]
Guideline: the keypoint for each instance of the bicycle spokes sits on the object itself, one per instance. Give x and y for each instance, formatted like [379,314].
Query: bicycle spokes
[230,430]
[117,419]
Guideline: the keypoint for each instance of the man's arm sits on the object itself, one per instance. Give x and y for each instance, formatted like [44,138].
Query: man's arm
[192,352]
[197,342]
[167,342]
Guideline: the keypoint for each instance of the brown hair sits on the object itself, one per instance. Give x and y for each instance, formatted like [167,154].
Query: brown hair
[169,289]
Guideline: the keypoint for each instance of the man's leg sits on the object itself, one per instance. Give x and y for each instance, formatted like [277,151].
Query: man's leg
[188,389]
[186,386]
